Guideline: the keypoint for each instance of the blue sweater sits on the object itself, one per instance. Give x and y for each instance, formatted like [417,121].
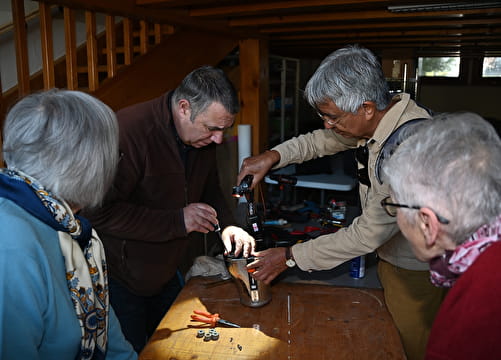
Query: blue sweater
[37,317]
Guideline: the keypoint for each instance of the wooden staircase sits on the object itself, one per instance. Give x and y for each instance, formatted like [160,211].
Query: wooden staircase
[138,56]
[123,53]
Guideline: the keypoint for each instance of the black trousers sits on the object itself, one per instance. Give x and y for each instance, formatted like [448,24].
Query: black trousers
[140,315]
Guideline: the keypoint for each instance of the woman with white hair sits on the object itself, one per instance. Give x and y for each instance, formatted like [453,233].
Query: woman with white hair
[61,151]
[445,183]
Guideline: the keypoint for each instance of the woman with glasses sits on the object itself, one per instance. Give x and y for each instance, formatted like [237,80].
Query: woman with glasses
[446,194]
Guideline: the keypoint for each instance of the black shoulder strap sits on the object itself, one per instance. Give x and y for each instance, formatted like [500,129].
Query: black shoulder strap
[393,141]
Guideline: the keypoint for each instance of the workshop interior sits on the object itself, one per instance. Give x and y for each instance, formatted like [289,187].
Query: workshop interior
[125,52]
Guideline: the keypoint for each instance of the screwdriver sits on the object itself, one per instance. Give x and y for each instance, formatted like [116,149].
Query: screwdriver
[217,230]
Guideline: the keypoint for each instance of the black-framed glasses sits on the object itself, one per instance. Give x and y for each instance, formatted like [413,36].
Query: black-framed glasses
[362,156]
[391,209]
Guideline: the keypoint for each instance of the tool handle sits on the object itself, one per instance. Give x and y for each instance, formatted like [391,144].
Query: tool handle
[205,313]
[211,321]
[284,179]
[205,317]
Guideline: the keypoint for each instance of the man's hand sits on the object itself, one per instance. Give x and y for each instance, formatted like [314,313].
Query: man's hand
[241,239]
[269,264]
[258,166]
[199,217]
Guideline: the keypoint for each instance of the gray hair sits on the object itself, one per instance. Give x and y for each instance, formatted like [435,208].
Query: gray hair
[452,165]
[204,86]
[67,140]
[348,77]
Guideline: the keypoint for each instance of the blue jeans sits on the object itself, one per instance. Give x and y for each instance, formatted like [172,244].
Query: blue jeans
[140,315]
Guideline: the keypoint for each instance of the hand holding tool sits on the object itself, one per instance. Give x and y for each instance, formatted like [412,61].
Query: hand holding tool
[212,319]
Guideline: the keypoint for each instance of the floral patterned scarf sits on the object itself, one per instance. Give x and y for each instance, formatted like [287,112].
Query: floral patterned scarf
[445,270]
[86,270]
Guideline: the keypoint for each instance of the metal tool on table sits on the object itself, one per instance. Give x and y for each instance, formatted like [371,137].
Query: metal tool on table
[254,225]
[211,319]
[217,230]
[253,293]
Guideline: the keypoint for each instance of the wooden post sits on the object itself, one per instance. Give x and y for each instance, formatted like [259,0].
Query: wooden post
[71,49]
[111,46]
[158,33]
[92,61]
[20,38]
[254,88]
[143,37]
[47,46]
[128,42]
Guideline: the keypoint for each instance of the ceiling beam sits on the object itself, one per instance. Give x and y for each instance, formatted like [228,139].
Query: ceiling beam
[152,2]
[364,25]
[176,17]
[389,41]
[399,33]
[273,5]
[352,15]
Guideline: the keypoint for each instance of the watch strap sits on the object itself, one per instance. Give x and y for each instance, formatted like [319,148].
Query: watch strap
[289,259]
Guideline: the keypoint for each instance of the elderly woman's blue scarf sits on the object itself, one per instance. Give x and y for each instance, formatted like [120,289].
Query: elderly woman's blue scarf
[86,270]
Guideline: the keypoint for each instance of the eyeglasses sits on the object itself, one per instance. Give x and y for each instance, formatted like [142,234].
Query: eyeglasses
[362,156]
[331,119]
[391,209]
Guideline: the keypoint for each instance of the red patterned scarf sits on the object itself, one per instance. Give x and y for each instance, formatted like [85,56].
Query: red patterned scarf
[445,269]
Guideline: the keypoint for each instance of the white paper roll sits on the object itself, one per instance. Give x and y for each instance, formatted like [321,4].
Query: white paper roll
[244,143]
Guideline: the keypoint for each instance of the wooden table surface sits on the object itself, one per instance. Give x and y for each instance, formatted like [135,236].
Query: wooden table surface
[322,322]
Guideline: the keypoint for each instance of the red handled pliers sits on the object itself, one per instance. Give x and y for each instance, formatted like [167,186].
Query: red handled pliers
[211,319]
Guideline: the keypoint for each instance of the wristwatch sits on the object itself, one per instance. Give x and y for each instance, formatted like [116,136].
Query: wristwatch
[289,259]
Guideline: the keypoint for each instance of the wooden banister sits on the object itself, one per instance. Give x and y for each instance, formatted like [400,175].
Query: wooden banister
[121,43]
[129,51]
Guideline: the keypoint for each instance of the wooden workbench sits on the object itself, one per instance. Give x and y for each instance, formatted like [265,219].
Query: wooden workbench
[321,322]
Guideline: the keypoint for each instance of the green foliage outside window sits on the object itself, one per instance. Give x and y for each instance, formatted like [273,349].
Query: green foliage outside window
[491,67]
[438,66]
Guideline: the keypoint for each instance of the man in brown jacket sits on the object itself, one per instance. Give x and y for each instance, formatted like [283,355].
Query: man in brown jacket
[166,189]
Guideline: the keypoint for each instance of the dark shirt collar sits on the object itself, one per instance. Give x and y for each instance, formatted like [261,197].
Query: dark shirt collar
[182,147]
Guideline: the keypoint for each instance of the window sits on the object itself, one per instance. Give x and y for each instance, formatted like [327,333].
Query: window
[438,66]
[491,67]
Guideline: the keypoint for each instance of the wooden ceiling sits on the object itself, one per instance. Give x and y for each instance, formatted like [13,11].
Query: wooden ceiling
[316,27]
